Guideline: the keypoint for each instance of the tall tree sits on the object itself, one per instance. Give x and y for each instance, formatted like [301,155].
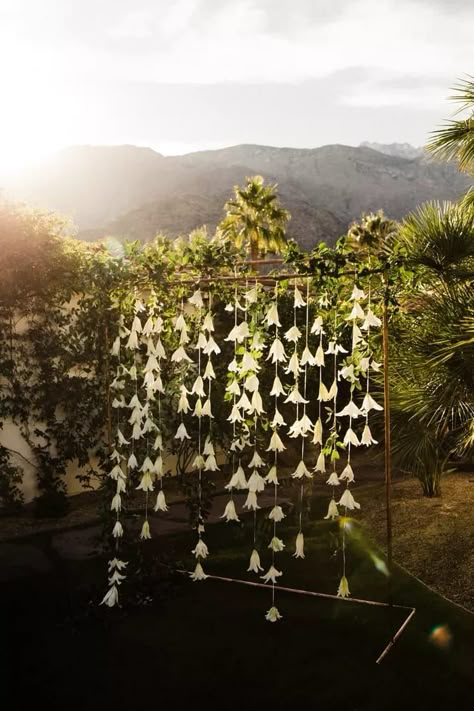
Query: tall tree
[254,217]
[455,140]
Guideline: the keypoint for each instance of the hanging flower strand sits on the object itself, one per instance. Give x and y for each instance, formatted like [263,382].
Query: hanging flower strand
[117,474]
[201,550]
[276,514]
[304,426]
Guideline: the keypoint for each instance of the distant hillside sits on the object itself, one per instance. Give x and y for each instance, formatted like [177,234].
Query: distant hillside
[133,192]
[401,150]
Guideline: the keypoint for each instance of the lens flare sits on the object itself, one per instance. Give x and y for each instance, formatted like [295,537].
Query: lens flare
[441,636]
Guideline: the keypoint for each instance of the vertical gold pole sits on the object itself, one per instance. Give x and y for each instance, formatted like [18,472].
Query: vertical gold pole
[386,390]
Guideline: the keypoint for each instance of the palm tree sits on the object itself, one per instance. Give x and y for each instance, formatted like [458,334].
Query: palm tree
[254,217]
[374,234]
[432,384]
[455,140]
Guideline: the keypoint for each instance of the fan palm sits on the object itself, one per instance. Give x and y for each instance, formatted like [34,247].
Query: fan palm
[433,359]
[255,218]
[455,140]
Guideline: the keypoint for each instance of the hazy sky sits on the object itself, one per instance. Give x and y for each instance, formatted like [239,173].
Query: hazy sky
[183,75]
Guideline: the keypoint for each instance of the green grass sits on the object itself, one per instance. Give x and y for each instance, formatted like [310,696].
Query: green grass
[207,644]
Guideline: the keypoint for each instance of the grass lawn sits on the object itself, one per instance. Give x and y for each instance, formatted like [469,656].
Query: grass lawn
[207,644]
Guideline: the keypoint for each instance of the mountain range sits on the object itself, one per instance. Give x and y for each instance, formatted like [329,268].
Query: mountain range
[134,192]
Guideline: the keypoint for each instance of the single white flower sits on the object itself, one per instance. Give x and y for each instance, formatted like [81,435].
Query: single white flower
[350,410]
[333,479]
[111,597]
[254,566]
[196,299]
[181,432]
[276,544]
[116,472]
[293,334]
[233,388]
[295,396]
[277,388]
[276,514]
[301,471]
[276,445]
[323,394]
[332,392]
[158,443]
[348,373]
[256,483]
[148,327]
[369,404]
[307,357]
[272,477]
[117,563]
[348,501]
[201,342]
[117,531]
[132,343]
[183,403]
[257,403]
[180,324]
[209,373]
[257,344]
[317,326]
[146,483]
[371,320]
[251,383]
[357,294]
[238,480]
[367,438]
[251,501]
[320,463]
[301,427]
[343,589]
[183,338]
[277,352]
[239,333]
[160,351]
[249,363]
[347,474]
[132,461]
[208,446]
[198,408]
[273,615]
[375,366]
[272,318]
[179,355]
[357,312]
[293,365]
[198,573]
[357,336]
[158,466]
[139,306]
[198,387]
[211,347]
[318,432]
[233,367]
[298,299]
[230,514]
[244,403]
[211,464]
[145,532]
[278,420]
[256,460]
[350,437]
[208,323]
[272,574]
[206,409]
[332,511]
[198,462]
[136,325]
[201,550]
[161,502]
[235,415]
[115,350]
[299,546]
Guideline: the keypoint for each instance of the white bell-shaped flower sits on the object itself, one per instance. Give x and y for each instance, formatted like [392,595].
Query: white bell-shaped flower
[180,324]
[320,463]
[198,387]
[347,473]
[273,615]
[295,397]
[276,545]
[317,326]
[254,566]
[272,477]
[257,403]
[244,403]
[367,438]
[251,501]
[161,502]
[357,294]
[293,334]
[343,589]
[206,409]
[230,513]
[201,341]
[348,501]
[369,404]
[198,462]
[209,373]
[211,464]
[235,415]
[323,393]
[277,387]
[350,410]
[145,533]
[371,321]
[256,461]
[299,546]
[272,318]
[249,363]
[256,483]
[293,365]
[271,575]
[201,550]
[211,347]
[276,514]
[198,573]
[298,299]
[117,531]
[357,312]
[146,482]
[276,445]
[238,480]
[196,299]
[182,433]
[333,479]
[233,388]
[183,403]
[307,358]
[333,511]
[318,432]
[350,437]
[208,323]
[302,471]
[251,383]
[278,420]
[179,355]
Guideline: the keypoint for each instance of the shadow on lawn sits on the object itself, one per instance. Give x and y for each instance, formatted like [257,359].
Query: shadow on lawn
[208,645]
